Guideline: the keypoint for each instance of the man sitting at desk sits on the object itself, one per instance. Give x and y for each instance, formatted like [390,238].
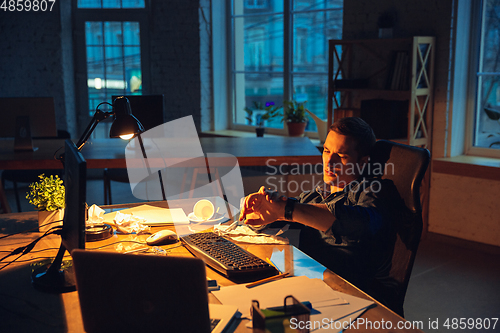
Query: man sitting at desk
[348,224]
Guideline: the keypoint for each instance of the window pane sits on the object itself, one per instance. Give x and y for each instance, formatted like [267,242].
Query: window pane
[263,43]
[95,77]
[89,4]
[491,37]
[266,89]
[488,113]
[487,130]
[131,33]
[314,90]
[311,32]
[93,33]
[113,63]
[113,34]
[315,4]
[257,6]
[133,4]
[111,4]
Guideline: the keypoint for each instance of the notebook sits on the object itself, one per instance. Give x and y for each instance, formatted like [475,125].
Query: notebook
[145,293]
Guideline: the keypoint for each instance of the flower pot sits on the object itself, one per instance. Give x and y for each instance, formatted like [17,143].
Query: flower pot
[45,217]
[260,131]
[296,129]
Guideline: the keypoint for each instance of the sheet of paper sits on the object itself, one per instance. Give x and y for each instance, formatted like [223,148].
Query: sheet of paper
[328,305]
[154,216]
[273,293]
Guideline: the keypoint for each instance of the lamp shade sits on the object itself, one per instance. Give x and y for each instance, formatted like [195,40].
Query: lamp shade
[125,124]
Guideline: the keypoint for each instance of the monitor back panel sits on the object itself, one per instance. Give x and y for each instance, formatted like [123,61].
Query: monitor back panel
[141,293]
[40,110]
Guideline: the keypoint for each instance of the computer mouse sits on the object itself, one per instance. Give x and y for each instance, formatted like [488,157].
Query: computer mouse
[162,237]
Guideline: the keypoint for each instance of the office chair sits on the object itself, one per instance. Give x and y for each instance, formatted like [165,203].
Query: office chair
[148,109]
[31,176]
[410,164]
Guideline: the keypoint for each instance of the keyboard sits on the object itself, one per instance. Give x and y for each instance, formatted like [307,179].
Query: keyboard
[225,256]
[213,323]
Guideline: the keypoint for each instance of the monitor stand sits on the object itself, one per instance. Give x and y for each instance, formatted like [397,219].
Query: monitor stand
[55,279]
[23,140]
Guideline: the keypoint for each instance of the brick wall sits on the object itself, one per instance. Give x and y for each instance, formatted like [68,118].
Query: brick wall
[36,59]
[31,57]
[175,56]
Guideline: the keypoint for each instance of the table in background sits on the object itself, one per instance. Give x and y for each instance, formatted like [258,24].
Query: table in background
[25,309]
[110,153]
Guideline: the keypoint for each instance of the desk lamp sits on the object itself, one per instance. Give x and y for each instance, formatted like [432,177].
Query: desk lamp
[55,278]
[125,125]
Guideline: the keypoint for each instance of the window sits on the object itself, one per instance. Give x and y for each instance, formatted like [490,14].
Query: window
[113,60]
[280,52]
[109,53]
[485,129]
[110,3]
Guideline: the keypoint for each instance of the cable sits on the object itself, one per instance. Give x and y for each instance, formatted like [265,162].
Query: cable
[125,241]
[38,259]
[37,228]
[26,249]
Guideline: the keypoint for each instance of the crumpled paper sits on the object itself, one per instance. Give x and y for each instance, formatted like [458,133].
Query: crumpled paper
[128,223]
[243,234]
[95,216]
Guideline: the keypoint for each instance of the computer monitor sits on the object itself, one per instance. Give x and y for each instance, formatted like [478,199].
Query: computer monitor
[54,278]
[40,110]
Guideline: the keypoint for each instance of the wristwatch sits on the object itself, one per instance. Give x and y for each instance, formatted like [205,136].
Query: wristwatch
[290,205]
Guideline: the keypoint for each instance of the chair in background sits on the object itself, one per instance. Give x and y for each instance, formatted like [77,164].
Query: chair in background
[31,176]
[149,110]
[409,166]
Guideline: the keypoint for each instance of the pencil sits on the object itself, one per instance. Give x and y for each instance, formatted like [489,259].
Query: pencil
[272,278]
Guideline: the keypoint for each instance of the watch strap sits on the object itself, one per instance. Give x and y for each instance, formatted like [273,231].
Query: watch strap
[289,207]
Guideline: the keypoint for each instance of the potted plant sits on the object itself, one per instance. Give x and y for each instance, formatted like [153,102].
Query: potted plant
[48,196]
[295,117]
[261,114]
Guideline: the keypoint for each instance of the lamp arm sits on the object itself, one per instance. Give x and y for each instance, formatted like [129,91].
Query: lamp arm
[98,116]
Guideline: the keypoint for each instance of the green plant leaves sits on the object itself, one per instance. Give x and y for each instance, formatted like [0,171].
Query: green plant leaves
[47,194]
[295,112]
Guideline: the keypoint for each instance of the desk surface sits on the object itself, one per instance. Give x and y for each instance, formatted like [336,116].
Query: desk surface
[25,309]
[110,153]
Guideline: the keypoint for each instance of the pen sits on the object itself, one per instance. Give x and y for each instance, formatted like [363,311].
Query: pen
[272,278]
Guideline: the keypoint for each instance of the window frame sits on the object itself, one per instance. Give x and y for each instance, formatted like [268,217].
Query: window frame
[476,19]
[82,15]
[288,72]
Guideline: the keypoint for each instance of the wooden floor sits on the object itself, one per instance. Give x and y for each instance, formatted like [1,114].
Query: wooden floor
[451,278]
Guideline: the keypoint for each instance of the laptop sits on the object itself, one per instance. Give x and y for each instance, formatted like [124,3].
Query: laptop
[146,293]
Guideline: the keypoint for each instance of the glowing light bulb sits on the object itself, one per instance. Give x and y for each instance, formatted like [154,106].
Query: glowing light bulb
[127,136]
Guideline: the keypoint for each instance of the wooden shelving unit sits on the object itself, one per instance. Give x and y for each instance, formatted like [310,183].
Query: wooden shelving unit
[386,69]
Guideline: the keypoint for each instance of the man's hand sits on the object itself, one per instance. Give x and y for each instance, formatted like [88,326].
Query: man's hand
[263,207]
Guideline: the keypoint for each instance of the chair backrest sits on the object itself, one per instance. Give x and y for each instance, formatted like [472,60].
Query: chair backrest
[405,166]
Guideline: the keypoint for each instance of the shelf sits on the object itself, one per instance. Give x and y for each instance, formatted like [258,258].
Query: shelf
[380,63]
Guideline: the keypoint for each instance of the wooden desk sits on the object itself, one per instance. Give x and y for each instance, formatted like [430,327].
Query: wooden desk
[24,309]
[110,153]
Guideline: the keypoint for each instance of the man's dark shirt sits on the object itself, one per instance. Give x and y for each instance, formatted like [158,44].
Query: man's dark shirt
[360,242]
